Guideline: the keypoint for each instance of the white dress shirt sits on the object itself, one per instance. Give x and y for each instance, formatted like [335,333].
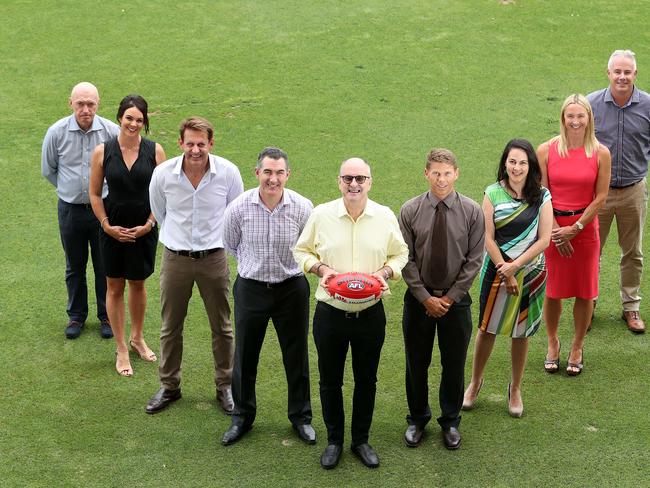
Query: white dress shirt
[191,219]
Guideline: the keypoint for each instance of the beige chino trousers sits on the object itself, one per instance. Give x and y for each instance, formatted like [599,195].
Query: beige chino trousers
[629,206]
[177,277]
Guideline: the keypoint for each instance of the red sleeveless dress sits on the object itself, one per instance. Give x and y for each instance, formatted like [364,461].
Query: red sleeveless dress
[572,183]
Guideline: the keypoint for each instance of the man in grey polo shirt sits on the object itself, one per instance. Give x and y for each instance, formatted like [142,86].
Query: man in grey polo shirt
[65,162]
[622,117]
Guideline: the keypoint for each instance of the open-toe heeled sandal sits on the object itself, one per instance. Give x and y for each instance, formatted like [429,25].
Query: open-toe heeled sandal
[146,355]
[552,366]
[574,369]
[122,366]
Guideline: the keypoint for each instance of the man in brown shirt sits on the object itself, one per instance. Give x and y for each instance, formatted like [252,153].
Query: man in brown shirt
[445,234]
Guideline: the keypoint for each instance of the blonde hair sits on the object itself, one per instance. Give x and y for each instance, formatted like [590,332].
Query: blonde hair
[441,155]
[589,142]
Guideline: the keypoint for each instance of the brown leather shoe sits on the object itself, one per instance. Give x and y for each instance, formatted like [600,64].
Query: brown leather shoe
[634,322]
[224,398]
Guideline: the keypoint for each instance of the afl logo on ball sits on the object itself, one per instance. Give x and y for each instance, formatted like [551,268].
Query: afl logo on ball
[355,285]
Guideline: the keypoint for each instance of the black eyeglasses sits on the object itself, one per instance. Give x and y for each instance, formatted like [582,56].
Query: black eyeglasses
[360,179]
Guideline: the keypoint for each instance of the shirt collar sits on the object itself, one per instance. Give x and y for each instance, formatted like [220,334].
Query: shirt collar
[179,165]
[635,98]
[448,200]
[342,211]
[73,125]
[285,200]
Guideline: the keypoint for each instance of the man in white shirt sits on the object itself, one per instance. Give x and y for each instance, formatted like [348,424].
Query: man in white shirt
[189,195]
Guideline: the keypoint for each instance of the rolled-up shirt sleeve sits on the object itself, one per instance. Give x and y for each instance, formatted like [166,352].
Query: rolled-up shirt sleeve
[305,250]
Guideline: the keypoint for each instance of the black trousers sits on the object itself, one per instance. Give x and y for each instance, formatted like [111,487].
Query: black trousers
[79,228]
[287,305]
[334,332]
[454,332]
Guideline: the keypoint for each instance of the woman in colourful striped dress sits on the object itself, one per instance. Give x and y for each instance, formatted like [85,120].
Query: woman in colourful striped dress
[518,222]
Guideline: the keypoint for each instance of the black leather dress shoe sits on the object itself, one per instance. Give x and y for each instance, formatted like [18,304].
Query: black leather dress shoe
[367,455]
[413,435]
[451,438]
[162,399]
[306,433]
[331,455]
[234,433]
[73,330]
[105,329]
[224,399]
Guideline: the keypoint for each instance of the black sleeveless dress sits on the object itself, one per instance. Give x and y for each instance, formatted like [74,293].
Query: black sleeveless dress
[127,205]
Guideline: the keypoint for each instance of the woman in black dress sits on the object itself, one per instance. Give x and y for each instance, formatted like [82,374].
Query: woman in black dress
[128,237]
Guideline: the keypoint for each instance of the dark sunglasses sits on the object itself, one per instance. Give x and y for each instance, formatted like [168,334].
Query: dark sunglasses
[358,178]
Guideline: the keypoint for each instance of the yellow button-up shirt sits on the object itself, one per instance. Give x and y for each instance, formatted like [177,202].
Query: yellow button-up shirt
[332,237]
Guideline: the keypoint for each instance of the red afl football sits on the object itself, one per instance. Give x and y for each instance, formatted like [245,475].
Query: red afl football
[354,287]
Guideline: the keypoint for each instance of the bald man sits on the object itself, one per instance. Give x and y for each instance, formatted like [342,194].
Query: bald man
[353,222]
[65,162]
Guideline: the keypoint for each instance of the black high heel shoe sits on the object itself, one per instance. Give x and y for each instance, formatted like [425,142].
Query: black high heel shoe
[574,369]
[552,366]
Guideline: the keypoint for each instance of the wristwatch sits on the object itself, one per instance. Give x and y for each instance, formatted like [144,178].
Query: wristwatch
[579,225]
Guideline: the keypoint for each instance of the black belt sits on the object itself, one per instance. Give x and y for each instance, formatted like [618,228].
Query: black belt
[352,315]
[272,285]
[87,206]
[568,213]
[624,186]
[437,293]
[195,254]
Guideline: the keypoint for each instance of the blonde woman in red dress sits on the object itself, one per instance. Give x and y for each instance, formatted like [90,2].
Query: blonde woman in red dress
[576,169]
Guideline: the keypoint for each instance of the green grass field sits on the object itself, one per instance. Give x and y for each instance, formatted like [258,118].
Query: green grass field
[325,80]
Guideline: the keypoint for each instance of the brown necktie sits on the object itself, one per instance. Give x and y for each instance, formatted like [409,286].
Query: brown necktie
[439,241]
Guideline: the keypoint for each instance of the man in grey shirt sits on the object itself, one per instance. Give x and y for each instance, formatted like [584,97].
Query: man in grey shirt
[65,163]
[445,234]
[622,118]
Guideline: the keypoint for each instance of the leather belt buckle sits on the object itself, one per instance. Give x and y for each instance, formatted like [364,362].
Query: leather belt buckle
[198,254]
[352,315]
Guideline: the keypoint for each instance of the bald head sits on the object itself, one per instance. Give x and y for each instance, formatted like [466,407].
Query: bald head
[354,164]
[84,89]
[84,100]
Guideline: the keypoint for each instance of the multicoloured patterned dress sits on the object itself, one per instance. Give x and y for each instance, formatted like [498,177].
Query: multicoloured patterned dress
[515,223]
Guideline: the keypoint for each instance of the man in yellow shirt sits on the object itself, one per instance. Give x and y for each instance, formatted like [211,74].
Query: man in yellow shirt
[352,233]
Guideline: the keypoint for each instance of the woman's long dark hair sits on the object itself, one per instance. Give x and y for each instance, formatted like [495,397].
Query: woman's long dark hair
[532,191]
[138,102]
